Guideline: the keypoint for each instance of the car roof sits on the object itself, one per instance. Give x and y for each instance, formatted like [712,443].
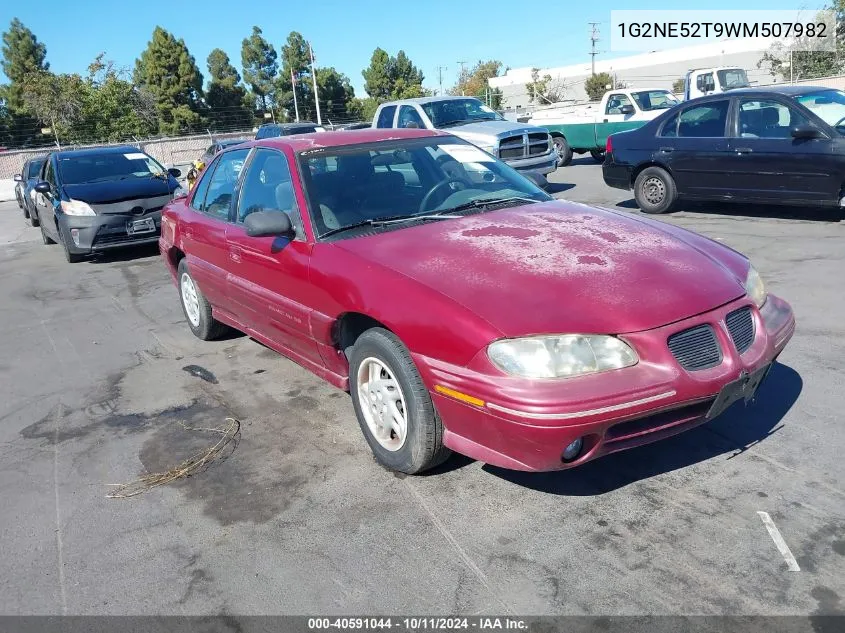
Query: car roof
[786,90]
[90,151]
[342,138]
[430,99]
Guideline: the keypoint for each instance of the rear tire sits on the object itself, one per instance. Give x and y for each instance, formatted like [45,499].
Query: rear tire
[655,190]
[598,155]
[196,307]
[392,404]
[564,151]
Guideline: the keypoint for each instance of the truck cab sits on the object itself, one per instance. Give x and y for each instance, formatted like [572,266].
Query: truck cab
[705,81]
[523,147]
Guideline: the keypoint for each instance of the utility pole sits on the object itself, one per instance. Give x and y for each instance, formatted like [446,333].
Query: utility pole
[594,37]
[462,64]
[440,70]
[314,77]
[293,87]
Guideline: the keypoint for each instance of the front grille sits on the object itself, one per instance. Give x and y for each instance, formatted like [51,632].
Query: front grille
[696,348]
[741,327]
[512,147]
[538,143]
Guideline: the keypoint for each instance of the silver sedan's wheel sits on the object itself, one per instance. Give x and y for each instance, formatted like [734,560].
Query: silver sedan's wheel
[382,404]
[190,299]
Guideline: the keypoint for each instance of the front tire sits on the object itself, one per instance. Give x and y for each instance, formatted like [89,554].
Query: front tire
[564,151]
[392,404]
[196,307]
[655,190]
[33,218]
[45,239]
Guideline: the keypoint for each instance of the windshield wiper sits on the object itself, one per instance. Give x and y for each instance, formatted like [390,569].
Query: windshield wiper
[391,219]
[483,203]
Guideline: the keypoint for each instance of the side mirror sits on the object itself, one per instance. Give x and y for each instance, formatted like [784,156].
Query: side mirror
[18,178]
[412,125]
[627,109]
[173,171]
[805,132]
[268,224]
[42,187]
[537,179]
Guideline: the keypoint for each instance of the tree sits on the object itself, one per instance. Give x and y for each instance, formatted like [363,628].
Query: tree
[787,64]
[228,102]
[377,79]
[116,110]
[596,85]
[543,90]
[258,58]
[475,82]
[678,85]
[169,72]
[58,101]
[296,63]
[388,78]
[337,96]
[22,54]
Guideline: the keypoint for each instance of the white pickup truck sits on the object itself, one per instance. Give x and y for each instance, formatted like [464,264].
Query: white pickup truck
[699,82]
[523,147]
[581,128]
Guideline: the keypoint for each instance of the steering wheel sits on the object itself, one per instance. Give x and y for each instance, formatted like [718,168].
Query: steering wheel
[443,183]
[838,122]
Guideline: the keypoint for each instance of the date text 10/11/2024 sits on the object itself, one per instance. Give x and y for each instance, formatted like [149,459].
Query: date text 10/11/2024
[418,624]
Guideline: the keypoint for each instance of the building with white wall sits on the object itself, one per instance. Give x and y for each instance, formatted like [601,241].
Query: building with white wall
[658,69]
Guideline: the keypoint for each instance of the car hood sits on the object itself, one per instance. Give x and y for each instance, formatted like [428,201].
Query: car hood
[486,132]
[111,196]
[562,268]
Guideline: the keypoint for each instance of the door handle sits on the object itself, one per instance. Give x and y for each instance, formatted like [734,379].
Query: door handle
[667,150]
[743,150]
[235,254]
[605,121]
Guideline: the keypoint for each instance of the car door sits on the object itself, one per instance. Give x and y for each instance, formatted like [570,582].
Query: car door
[46,203]
[768,164]
[614,119]
[693,145]
[268,276]
[203,225]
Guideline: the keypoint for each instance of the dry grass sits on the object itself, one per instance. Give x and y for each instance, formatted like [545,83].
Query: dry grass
[190,466]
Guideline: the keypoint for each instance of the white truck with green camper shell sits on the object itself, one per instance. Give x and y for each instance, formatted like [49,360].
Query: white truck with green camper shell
[582,128]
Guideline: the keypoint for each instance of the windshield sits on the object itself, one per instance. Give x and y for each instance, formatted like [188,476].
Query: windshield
[454,111]
[828,105]
[648,100]
[75,170]
[348,186]
[733,78]
[34,168]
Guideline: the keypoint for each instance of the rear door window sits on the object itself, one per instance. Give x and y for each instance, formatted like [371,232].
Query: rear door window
[385,117]
[707,120]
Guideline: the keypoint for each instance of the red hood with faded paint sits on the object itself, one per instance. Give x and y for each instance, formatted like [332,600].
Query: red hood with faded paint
[561,267]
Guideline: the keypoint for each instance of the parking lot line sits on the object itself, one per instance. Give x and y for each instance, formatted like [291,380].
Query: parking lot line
[783,548]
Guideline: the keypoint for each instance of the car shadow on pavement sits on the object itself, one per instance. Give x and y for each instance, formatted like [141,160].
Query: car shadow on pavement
[557,187]
[125,254]
[737,209]
[731,434]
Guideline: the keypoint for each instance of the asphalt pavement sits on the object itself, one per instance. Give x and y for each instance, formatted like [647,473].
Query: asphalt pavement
[299,519]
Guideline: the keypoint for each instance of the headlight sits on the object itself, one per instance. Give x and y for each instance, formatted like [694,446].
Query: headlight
[77,207]
[560,356]
[755,288]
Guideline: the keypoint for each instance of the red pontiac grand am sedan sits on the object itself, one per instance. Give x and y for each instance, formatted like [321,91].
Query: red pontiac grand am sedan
[464,308]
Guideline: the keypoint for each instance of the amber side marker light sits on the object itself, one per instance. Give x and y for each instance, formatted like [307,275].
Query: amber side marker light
[457,395]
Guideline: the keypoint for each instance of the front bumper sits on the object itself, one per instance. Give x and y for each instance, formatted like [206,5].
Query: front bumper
[525,424]
[543,164]
[105,232]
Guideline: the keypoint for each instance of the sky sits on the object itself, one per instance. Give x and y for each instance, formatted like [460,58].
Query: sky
[343,34]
